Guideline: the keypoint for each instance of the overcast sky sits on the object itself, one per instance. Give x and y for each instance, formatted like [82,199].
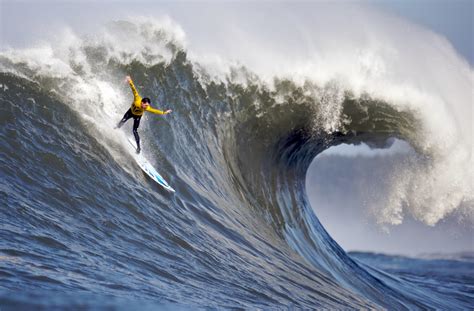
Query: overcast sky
[26,22]
[451,18]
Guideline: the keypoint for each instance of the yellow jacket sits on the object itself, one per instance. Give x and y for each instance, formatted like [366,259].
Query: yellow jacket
[137,103]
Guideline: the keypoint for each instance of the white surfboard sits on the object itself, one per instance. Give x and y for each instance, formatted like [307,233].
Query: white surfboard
[149,169]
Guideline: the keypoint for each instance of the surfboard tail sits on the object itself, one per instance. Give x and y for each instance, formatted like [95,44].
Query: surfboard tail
[149,170]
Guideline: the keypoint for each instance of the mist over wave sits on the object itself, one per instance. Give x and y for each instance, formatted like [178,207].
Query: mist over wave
[239,232]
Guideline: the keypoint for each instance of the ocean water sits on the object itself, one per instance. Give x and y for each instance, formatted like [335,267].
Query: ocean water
[82,227]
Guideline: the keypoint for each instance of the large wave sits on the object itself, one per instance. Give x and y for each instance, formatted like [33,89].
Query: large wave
[239,232]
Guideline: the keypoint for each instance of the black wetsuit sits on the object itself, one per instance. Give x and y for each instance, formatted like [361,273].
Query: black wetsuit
[136,124]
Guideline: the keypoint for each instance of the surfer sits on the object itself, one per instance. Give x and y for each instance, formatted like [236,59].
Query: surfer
[139,106]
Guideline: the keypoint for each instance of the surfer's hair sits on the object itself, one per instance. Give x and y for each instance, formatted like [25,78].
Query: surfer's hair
[146,100]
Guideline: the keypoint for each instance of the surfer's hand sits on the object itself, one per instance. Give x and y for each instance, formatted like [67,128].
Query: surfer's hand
[128,79]
[168,111]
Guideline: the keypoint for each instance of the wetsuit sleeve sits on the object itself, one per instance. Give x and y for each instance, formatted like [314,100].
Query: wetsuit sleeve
[134,90]
[152,110]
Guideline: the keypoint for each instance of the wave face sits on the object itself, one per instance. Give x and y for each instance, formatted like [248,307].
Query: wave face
[83,226]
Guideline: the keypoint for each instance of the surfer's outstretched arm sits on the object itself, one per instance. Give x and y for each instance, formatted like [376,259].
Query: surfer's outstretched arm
[157,111]
[136,97]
